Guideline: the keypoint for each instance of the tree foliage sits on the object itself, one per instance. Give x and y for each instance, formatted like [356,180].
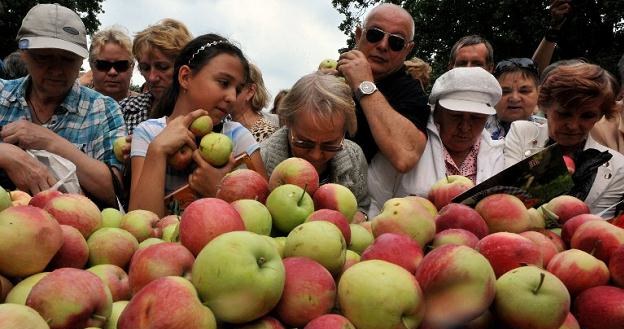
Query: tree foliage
[593,30]
[13,11]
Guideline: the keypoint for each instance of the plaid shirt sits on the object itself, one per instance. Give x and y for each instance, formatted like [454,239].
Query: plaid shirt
[136,109]
[468,168]
[86,118]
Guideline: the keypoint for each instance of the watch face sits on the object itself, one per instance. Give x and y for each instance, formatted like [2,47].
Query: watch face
[367,87]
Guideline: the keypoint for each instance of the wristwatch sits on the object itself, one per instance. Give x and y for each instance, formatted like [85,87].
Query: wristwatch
[365,88]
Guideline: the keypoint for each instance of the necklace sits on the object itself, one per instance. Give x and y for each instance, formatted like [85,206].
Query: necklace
[34,113]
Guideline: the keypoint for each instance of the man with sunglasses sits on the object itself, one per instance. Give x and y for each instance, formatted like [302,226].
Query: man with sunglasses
[48,110]
[392,107]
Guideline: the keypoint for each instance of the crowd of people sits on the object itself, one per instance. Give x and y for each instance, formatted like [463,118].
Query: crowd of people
[369,125]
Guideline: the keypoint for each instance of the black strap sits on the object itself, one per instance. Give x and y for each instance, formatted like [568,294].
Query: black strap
[120,192]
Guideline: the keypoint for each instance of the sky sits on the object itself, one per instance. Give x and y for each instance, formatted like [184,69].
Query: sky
[285,38]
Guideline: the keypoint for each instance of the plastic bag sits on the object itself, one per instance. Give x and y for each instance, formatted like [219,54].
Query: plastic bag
[62,169]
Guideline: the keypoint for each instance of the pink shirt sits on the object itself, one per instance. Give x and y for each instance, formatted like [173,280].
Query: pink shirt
[468,168]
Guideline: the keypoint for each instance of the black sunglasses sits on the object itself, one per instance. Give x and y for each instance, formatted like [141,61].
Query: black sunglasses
[309,145]
[105,66]
[396,42]
[511,64]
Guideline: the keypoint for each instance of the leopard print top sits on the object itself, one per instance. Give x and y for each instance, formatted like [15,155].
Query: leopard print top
[262,129]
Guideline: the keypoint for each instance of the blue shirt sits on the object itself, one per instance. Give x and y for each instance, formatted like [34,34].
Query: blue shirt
[86,118]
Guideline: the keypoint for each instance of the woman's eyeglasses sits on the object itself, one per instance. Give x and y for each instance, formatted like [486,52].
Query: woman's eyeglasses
[395,42]
[516,63]
[105,66]
[309,145]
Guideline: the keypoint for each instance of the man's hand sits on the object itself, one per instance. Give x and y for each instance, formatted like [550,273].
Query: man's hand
[26,172]
[28,135]
[355,68]
[559,10]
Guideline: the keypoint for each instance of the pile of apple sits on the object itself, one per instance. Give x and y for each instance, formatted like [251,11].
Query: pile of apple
[288,253]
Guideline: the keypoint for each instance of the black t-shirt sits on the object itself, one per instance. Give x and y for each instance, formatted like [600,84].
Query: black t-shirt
[406,96]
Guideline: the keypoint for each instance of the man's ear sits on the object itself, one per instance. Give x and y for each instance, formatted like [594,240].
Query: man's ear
[358,33]
[184,76]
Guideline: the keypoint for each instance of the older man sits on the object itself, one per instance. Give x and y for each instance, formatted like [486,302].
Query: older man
[391,106]
[472,50]
[457,144]
[48,110]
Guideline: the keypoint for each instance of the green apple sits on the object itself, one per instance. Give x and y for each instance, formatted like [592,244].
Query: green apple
[142,224]
[115,278]
[171,233]
[337,197]
[281,244]
[5,199]
[111,217]
[15,316]
[118,307]
[321,241]
[111,245]
[149,242]
[216,148]
[239,275]
[289,206]
[20,292]
[201,126]
[361,238]
[255,215]
[405,216]
[118,147]
[328,63]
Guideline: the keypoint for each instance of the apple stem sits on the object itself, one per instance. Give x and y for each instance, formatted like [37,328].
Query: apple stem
[305,187]
[261,261]
[447,178]
[539,286]
[595,247]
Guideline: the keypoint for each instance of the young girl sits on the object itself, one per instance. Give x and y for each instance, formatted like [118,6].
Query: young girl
[208,75]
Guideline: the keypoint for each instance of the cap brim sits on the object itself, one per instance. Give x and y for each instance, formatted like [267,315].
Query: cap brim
[467,106]
[45,42]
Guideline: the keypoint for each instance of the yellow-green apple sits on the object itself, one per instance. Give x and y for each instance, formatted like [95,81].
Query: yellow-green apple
[395,248]
[216,148]
[569,163]
[15,316]
[239,275]
[111,245]
[376,294]
[506,251]
[457,215]
[616,266]
[330,321]
[598,237]
[73,253]
[351,258]
[117,308]
[280,243]
[600,308]
[41,199]
[20,291]
[296,171]
[171,233]
[75,210]
[159,260]
[121,147]
[537,219]
[321,241]
[141,223]
[5,199]
[255,216]
[504,213]
[201,126]
[400,215]
[337,197]
[447,188]
[529,297]
[458,285]
[205,219]
[164,222]
[19,198]
[167,302]
[455,236]
[425,203]
[181,159]
[361,238]
[115,278]
[570,226]
[561,208]
[546,245]
[243,184]
[578,270]
[5,287]
[111,217]
[328,63]
[149,242]
[265,322]
[335,217]
[71,298]
[289,206]
[30,238]
[309,292]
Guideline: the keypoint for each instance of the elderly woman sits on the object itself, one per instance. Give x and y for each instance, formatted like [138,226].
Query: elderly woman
[318,112]
[110,58]
[155,50]
[574,97]
[247,110]
[457,143]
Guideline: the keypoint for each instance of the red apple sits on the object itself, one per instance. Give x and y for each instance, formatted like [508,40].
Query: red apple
[115,278]
[454,236]
[569,163]
[554,234]
[330,321]
[243,184]
[5,287]
[506,251]
[157,261]
[457,215]
[578,270]
[564,207]
[75,210]
[400,215]
[73,253]
[265,322]
[546,246]
[618,221]
[599,238]
[425,203]
[395,248]
[181,159]
[570,322]
[296,171]
[447,188]
[616,266]
[337,197]
[335,217]
[111,245]
[141,223]
[504,213]
[600,308]
[570,226]
[40,199]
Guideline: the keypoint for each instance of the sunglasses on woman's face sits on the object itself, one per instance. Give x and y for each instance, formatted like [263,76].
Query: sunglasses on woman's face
[309,145]
[513,63]
[105,66]
[396,42]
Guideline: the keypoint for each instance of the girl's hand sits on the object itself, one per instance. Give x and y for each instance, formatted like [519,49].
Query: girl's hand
[176,134]
[205,179]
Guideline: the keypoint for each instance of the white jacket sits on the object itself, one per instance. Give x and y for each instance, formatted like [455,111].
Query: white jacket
[384,182]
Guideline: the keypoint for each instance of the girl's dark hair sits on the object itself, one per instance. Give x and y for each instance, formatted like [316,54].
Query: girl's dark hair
[196,54]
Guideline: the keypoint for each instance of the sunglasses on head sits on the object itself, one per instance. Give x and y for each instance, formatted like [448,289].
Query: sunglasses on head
[309,145]
[395,42]
[105,66]
[511,64]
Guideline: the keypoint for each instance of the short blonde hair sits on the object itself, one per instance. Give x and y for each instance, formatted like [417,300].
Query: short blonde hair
[168,36]
[261,97]
[419,70]
[325,94]
[113,34]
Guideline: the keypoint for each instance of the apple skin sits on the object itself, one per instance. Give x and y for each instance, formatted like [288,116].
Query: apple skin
[400,215]
[40,199]
[618,221]
[538,222]
[30,238]
[361,238]
[546,245]
[447,188]
[239,276]
[167,302]
[296,171]
[328,63]
[216,148]
[506,251]
[265,322]
[5,287]
[243,184]
[570,322]
[309,292]
[457,215]
[201,126]
[75,210]
[73,253]
[19,198]
[115,278]
[578,270]
[119,145]
[335,217]
[368,284]
[181,159]
[255,216]
[21,290]
[330,321]
[205,219]
[616,266]
[351,258]
[141,223]
[570,226]
[454,236]
[504,213]
[15,316]
[111,245]
[117,308]
[321,241]
[71,298]
[289,206]
[159,260]
[111,217]
[564,207]
[5,199]
[598,237]
[600,308]
[519,306]
[569,163]
[458,284]
[336,197]
[395,248]
[425,203]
